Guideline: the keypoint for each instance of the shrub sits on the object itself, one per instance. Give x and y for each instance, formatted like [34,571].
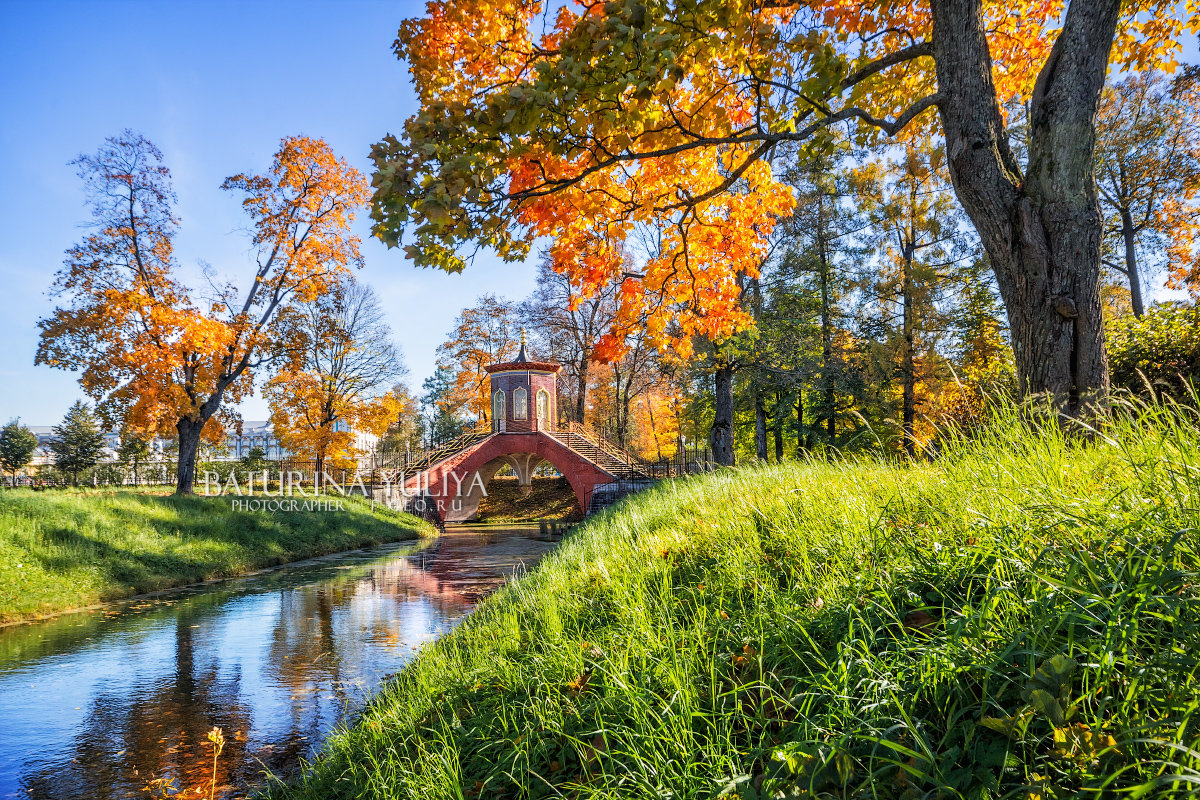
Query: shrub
[1163,348]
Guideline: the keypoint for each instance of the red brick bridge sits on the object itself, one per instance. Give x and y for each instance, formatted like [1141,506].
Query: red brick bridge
[451,480]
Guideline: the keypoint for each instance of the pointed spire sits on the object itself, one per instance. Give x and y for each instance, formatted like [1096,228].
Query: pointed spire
[521,357]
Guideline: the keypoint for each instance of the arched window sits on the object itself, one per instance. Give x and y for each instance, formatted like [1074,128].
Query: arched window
[543,408]
[498,410]
[520,403]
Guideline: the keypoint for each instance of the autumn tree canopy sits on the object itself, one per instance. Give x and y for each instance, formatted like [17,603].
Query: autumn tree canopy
[156,354]
[485,333]
[582,122]
[336,377]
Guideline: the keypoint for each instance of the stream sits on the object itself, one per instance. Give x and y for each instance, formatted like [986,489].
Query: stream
[118,702]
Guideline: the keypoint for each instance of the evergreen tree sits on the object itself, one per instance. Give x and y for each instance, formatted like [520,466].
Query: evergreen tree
[78,441]
[134,452]
[443,407]
[17,444]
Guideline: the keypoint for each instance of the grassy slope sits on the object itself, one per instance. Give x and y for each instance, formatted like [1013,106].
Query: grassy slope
[61,550]
[837,630]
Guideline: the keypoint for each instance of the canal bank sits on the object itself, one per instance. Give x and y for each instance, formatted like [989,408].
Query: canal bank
[119,702]
[72,549]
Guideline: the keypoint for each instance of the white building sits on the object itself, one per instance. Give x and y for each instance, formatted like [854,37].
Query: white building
[255,433]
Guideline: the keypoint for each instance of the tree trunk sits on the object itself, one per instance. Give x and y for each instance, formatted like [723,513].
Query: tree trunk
[908,363]
[653,427]
[189,447]
[826,327]
[760,428]
[581,389]
[721,435]
[1131,265]
[1041,230]
[777,427]
[623,433]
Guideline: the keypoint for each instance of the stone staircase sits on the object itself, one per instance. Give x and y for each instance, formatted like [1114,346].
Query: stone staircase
[621,465]
[440,453]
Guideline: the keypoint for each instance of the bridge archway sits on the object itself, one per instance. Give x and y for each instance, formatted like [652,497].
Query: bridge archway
[458,485]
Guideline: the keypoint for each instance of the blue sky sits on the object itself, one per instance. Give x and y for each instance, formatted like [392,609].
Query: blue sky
[215,85]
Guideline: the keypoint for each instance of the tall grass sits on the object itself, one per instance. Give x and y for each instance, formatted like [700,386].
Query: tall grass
[1017,620]
[67,549]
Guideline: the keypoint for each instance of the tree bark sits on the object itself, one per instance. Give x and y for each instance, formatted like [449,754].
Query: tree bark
[582,390]
[721,436]
[908,414]
[1131,264]
[826,326]
[760,428]
[189,431]
[777,427]
[189,446]
[801,431]
[1042,230]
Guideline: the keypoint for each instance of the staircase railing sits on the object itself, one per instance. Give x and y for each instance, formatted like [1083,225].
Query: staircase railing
[624,464]
[424,460]
[605,444]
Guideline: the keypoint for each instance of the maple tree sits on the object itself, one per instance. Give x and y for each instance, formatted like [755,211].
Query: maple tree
[1148,174]
[336,378]
[603,116]
[486,333]
[155,354]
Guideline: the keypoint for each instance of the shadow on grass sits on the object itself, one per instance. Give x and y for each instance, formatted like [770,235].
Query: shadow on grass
[99,547]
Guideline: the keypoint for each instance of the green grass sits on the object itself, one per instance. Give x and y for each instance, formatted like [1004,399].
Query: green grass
[1021,619]
[68,549]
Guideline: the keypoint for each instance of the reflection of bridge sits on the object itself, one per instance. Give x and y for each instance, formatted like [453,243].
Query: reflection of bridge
[448,482]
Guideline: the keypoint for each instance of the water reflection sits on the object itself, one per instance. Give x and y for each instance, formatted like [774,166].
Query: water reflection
[118,703]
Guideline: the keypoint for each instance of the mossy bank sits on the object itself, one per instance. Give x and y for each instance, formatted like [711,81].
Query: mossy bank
[69,549]
[1021,619]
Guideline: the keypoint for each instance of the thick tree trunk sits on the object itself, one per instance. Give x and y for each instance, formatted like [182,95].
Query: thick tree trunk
[1131,264]
[189,447]
[760,428]
[1042,230]
[721,436]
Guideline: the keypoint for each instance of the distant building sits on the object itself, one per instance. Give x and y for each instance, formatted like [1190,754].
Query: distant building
[255,433]
[45,433]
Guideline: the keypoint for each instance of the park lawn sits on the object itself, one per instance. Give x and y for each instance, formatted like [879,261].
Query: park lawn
[1020,619]
[66,549]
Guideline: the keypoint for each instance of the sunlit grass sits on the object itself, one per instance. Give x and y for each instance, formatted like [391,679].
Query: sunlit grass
[67,549]
[1020,619]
